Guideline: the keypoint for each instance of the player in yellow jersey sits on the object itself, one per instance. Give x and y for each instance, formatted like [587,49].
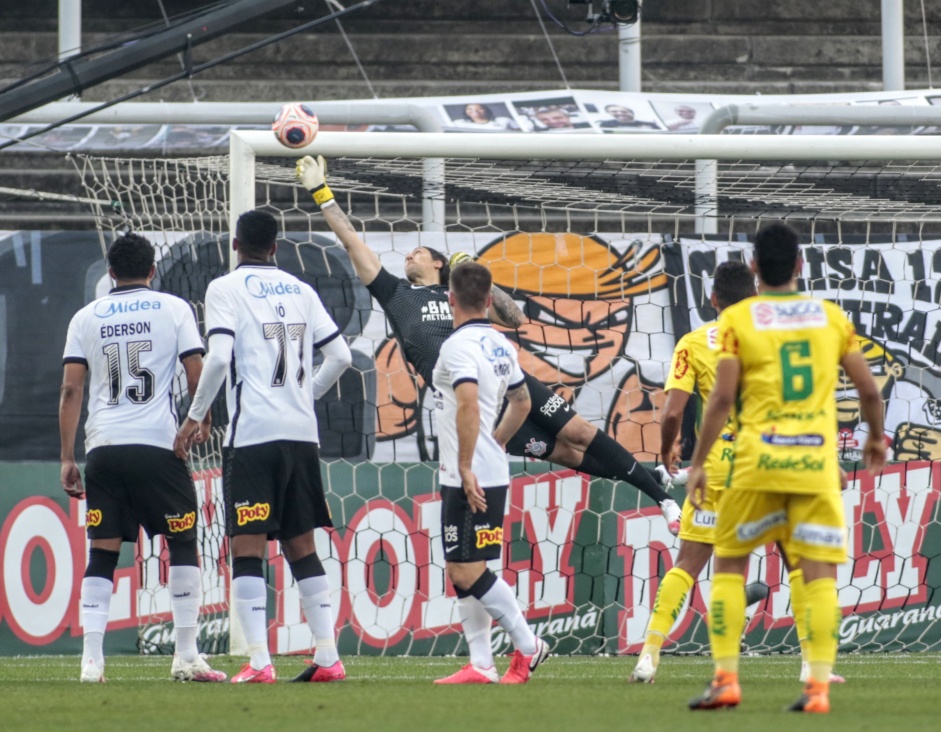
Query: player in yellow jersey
[693,367]
[777,362]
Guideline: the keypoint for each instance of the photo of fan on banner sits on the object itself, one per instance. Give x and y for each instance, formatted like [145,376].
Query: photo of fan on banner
[480,117]
[557,114]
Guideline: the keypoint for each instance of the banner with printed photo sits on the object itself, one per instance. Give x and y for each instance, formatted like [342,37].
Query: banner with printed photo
[557,111]
[889,291]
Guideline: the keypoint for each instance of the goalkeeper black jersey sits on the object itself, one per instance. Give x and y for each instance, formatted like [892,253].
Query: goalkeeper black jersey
[420,317]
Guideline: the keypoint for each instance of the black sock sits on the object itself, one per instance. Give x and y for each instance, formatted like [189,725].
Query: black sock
[605,458]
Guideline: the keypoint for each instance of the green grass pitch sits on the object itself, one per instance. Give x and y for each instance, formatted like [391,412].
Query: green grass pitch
[581,694]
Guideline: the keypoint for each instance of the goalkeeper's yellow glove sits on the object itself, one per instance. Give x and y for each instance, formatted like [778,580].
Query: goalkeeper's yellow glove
[459,258]
[313,176]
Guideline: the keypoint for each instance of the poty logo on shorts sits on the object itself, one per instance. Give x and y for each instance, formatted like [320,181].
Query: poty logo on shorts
[258,512]
[257,287]
[93,517]
[788,315]
[489,537]
[176,524]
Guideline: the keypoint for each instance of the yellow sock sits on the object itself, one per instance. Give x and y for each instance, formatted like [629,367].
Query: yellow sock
[823,627]
[798,605]
[672,594]
[727,620]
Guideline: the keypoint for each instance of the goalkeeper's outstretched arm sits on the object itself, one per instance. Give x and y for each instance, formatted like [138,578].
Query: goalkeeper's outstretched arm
[313,176]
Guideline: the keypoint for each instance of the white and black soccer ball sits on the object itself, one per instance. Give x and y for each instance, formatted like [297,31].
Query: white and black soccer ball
[295,125]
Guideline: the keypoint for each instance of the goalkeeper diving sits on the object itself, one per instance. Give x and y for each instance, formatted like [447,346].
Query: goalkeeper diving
[553,430]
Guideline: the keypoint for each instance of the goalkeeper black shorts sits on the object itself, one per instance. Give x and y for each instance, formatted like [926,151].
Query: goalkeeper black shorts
[548,414]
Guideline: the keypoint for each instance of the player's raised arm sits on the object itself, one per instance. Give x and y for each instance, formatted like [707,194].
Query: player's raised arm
[313,176]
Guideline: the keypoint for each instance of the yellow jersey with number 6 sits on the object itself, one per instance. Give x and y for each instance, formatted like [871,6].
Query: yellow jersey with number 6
[789,347]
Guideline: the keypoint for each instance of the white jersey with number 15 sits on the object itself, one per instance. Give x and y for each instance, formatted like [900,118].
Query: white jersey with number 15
[130,341]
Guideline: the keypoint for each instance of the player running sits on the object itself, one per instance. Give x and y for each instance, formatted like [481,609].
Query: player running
[128,342]
[568,438]
[264,326]
[778,358]
[476,369]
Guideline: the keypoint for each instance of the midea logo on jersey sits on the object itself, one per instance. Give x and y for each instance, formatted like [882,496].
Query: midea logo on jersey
[107,308]
[257,287]
[492,351]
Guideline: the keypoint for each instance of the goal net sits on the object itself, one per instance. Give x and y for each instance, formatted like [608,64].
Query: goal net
[609,248]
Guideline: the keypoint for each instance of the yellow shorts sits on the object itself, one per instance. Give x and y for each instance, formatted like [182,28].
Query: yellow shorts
[811,526]
[701,525]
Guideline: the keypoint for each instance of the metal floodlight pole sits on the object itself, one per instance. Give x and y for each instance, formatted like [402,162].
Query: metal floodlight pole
[70,30]
[629,61]
[893,45]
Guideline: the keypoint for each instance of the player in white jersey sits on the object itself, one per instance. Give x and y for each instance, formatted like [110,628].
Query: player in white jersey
[129,342]
[264,326]
[477,367]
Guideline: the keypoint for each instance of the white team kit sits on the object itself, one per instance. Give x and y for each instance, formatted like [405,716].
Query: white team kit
[134,336]
[475,352]
[277,322]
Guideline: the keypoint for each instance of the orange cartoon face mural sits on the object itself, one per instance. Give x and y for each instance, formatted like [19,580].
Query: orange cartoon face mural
[578,294]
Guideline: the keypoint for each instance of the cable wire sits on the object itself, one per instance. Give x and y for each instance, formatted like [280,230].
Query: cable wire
[924,26]
[545,32]
[349,45]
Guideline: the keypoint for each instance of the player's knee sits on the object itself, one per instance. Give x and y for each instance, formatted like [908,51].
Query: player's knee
[306,567]
[102,563]
[183,553]
[464,575]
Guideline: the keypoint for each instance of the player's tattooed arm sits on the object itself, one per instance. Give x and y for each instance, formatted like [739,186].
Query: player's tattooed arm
[504,310]
[365,260]
[517,409]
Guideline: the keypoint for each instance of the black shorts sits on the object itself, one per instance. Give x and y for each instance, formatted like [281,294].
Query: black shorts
[548,414]
[129,486]
[472,537]
[273,488]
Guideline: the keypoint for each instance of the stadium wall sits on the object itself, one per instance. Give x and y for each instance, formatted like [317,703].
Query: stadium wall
[583,557]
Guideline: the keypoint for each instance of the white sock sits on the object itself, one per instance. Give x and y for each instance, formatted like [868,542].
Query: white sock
[315,601]
[185,598]
[96,601]
[501,604]
[251,603]
[476,622]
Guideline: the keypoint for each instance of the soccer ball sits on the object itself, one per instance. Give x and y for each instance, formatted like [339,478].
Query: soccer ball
[295,126]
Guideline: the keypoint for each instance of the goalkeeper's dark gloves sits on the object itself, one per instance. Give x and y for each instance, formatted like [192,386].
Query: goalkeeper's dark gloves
[313,176]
